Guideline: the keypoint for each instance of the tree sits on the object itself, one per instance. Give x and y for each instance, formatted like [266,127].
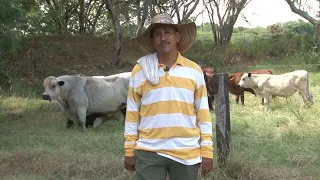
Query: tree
[296,6]
[113,15]
[11,17]
[227,13]
[186,12]
[142,13]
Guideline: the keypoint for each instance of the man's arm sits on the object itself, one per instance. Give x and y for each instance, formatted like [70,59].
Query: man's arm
[132,119]
[205,125]
[131,124]
[203,118]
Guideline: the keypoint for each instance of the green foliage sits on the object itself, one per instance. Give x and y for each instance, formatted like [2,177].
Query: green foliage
[239,29]
[299,27]
[10,14]
[275,29]
[206,27]
[279,41]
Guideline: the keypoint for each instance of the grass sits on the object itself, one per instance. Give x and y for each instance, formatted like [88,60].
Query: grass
[281,144]
[35,144]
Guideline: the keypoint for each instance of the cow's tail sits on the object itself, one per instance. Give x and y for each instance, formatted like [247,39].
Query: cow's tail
[309,95]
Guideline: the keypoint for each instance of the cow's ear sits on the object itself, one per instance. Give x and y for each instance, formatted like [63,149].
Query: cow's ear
[61,83]
[249,74]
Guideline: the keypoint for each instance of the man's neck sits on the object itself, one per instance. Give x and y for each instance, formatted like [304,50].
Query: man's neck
[168,59]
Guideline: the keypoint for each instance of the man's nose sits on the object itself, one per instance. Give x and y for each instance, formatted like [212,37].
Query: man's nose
[163,35]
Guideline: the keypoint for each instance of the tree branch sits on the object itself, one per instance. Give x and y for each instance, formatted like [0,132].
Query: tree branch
[186,17]
[301,13]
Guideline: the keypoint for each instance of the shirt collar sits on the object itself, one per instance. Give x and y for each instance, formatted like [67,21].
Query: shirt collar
[180,61]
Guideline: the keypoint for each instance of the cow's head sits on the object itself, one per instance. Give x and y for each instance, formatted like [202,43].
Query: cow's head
[246,80]
[51,88]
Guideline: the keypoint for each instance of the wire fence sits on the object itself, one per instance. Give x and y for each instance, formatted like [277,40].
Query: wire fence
[281,68]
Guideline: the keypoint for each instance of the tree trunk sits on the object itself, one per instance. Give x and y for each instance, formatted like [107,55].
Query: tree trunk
[118,32]
[82,29]
[187,14]
[306,16]
[318,35]
[142,18]
[95,20]
[228,18]
[175,5]
[301,13]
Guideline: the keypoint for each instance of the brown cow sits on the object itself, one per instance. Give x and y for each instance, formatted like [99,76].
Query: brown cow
[236,90]
[208,73]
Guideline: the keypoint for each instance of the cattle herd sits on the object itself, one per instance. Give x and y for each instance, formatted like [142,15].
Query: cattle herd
[264,84]
[92,100]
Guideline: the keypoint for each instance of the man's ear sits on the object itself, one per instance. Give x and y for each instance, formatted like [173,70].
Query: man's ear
[178,37]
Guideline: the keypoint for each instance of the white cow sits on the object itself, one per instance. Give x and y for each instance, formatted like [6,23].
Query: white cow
[283,85]
[83,96]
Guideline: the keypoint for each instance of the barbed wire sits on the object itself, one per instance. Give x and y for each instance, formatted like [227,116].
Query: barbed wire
[260,66]
[36,133]
[280,65]
[48,134]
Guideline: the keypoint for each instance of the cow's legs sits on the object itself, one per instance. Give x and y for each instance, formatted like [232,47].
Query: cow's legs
[69,123]
[124,112]
[90,119]
[242,99]
[236,98]
[310,97]
[306,98]
[266,102]
[82,118]
[210,103]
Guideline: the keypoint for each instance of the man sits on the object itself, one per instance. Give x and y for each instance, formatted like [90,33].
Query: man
[167,128]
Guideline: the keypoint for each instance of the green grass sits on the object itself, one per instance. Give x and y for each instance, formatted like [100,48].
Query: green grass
[35,144]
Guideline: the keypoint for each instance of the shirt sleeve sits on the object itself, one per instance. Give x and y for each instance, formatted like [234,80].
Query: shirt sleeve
[132,119]
[203,117]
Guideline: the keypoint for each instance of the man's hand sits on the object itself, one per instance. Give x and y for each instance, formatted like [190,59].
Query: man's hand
[130,163]
[206,165]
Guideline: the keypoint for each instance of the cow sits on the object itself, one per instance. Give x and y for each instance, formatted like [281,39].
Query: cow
[208,73]
[82,96]
[95,119]
[236,90]
[283,85]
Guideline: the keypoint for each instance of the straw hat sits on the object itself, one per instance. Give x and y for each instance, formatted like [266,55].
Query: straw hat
[187,33]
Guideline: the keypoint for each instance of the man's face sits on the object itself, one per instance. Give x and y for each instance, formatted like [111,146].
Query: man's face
[165,38]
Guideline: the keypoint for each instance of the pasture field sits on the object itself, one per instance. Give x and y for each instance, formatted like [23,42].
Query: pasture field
[35,144]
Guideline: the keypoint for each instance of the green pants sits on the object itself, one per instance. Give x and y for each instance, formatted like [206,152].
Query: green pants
[151,166]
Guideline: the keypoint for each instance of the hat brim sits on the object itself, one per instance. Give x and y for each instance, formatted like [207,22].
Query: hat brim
[187,32]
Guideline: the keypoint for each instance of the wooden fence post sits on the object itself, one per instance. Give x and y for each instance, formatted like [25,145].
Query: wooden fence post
[222,111]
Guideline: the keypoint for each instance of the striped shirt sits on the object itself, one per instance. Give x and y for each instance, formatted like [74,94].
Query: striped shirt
[171,118]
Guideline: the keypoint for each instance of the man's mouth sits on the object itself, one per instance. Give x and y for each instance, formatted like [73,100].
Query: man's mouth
[164,44]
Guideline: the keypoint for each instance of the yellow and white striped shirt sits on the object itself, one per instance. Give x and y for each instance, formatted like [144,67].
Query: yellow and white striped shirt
[171,118]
